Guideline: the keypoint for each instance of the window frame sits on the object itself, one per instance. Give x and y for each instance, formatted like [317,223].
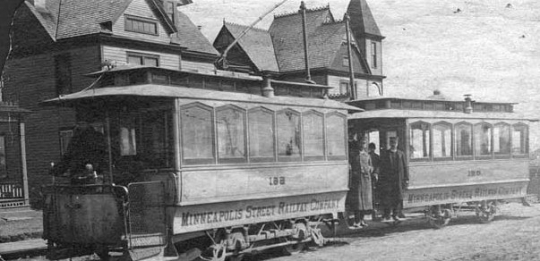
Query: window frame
[4,173]
[503,155]
[274,136]
[429,141]
[198,161]
[452,152]
[131,18]
[525,140]
[471,128]
[476,153]
[143,57]
[316,157]
[287,158]
[243,112]
[374,54]
[63,83]
[345,137]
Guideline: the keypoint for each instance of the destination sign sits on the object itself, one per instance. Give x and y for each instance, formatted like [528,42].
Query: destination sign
[463,194]
[258,211]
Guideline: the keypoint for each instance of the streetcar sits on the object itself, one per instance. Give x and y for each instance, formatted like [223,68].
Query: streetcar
[200,164]
[460,153]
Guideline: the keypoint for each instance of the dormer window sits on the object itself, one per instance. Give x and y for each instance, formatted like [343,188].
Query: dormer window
[374,54]
[141,25]
[170,10]
[345,61]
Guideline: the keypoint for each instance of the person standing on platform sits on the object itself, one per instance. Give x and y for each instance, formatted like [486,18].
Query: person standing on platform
[393,180]
[360,193]
[375,162]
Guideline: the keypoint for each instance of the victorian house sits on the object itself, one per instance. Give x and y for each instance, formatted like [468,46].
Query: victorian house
[279,51]
[57,43]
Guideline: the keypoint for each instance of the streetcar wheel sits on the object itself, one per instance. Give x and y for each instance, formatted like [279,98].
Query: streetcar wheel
[294,248]
[298,245]
[485,211]
[236,257]
[439,219]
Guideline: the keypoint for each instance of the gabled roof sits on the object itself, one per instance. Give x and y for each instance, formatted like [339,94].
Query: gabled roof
[286,32]
[71,18]
[257,44]
[77,18]
[362,20]
[191,37]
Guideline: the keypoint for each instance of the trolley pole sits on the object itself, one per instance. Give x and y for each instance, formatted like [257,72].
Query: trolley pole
[306,46]
[352,87]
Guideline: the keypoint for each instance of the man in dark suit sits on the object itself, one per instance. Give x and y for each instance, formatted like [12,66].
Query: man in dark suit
[393,180]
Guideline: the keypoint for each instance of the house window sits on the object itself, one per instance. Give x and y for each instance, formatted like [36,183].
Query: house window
[140,25]
[143,59]
[345,61]
[62,71]
[374,54]
[65,137]
[343,87]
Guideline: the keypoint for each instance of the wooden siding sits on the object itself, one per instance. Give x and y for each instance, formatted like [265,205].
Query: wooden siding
[31,80]
[119,55]
[140,8]
[334,81]
[196,66]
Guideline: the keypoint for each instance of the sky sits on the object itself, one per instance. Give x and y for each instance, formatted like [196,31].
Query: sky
[489,48]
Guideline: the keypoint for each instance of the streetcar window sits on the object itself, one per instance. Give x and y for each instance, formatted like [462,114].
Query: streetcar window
[197,134]
[3,166]
[420,141]
[156,139]
[482,139]
[335,133]
[442,140]
[501,139]
[313,135]
[288,134]
[519,139]
[128,145]
[231,134]
[261,135]
[463,139]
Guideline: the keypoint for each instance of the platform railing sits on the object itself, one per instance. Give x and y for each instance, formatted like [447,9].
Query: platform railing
[11,191]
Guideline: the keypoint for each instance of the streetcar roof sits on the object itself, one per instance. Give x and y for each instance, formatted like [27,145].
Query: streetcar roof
[164,91]
[393,113]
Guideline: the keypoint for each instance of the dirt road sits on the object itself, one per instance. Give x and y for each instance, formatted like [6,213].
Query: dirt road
[513,235]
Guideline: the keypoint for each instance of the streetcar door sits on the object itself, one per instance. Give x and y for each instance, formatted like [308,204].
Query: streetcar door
[147,227]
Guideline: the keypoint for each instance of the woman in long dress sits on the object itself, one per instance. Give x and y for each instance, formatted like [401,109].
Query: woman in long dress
[360,194]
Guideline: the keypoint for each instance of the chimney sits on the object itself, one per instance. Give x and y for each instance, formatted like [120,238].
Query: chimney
[468,104]
[268,91]
[40,5]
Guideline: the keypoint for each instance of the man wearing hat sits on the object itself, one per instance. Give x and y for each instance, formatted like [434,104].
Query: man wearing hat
[393,180]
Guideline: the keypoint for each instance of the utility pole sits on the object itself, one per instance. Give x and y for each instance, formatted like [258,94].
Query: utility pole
[352,87]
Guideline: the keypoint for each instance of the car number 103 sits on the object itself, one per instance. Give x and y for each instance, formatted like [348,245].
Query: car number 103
[276,181]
